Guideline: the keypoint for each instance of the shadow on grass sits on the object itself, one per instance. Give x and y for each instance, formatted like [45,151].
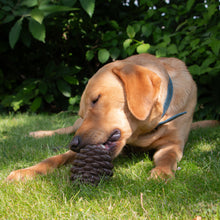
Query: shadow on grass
[196,183]
[195,188]
[16,145]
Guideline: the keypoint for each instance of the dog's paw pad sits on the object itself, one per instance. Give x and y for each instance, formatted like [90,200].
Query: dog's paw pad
[21,175]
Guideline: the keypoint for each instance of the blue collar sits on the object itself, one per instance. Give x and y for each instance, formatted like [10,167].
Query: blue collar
[167,104]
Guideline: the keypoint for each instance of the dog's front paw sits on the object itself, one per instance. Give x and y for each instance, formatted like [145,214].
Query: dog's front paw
[161,173]
[21,175]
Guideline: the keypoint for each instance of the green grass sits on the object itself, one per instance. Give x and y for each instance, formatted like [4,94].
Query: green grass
[194,192]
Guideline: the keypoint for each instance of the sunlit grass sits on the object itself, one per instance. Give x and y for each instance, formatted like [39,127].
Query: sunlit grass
[128,195]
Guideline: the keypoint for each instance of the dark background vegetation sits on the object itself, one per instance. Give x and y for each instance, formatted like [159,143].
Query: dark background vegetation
[49,48]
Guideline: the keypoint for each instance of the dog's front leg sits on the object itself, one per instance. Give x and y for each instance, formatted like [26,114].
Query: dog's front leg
[165,160]
[42,168]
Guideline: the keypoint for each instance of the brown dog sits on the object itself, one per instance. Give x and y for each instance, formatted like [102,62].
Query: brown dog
[141,101]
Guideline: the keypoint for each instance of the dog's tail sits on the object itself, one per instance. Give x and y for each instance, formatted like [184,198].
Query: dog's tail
[204,124]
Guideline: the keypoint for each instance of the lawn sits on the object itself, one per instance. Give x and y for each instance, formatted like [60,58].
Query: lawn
[128,195]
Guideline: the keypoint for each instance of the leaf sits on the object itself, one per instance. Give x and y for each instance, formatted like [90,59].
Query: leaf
[166,39]
[88,6]
[143,2]
[143,48]
[131,49]
[37,30]
[37,15]
[64,88]
[172,49]
[69,3]
[194,43]
[49,9]
[16,104]
[181,25]
[15,32]
[71,80]
[194,69]
[130,31]
[89,55]
[110,35]
[74,100]
[211,10]
[206,63]
[26,38]
[29,3]
[147,29]
[115,52]
[6,8]
[114,24]
[137,27]
[127,43]
[161,52]
[103,55]
[8,19]
[43,87]
[49,98]
[114,43]
[36,104]
[76,69]
[189,4]
[215,45]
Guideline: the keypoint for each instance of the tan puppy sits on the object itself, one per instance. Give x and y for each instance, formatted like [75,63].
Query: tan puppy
[141,101]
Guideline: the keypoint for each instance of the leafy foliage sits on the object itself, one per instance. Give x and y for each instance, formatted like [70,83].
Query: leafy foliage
[49,49]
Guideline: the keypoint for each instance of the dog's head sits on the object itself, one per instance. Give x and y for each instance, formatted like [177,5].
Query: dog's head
[117,101]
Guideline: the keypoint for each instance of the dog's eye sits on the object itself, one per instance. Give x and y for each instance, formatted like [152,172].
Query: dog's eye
[94,101]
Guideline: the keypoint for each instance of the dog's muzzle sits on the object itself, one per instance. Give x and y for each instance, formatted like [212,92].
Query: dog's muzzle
[75,144]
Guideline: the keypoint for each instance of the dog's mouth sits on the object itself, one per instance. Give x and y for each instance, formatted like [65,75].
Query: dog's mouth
[111,143]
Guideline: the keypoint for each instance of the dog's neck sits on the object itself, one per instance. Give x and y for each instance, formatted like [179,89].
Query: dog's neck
[167,104]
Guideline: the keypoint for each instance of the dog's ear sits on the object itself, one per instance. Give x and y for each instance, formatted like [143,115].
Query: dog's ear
[141,87]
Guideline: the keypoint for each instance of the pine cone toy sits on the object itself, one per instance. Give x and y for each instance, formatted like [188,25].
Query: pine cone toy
[92,164]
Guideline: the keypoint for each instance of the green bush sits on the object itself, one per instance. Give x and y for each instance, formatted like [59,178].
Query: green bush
[49,49]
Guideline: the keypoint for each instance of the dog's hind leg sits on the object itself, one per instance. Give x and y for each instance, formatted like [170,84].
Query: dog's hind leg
[67,130]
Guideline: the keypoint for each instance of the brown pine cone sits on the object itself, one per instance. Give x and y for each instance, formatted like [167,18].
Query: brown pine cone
[92,164]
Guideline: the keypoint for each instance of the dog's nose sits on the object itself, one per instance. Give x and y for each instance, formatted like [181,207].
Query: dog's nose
[115,136]
[74,144]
